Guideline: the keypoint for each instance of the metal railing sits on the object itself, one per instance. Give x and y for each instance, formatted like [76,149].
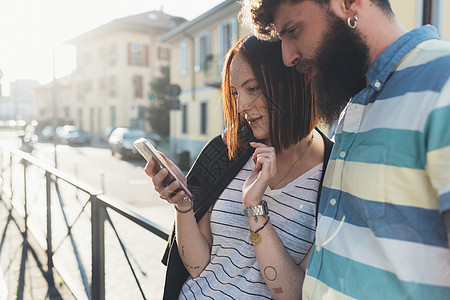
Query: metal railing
[14,187]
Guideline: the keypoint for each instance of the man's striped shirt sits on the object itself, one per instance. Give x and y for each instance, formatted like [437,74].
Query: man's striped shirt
[381,232]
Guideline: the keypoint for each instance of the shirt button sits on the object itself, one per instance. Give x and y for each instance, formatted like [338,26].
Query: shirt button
[333,201]
[377,84]
[342,154]
[318,248]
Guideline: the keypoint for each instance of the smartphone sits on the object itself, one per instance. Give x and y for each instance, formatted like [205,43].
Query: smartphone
[148,151]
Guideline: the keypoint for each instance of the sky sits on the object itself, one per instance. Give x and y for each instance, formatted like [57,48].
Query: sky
[32,30]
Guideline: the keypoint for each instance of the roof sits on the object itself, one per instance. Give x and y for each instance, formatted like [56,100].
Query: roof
[152,22]
[227,8]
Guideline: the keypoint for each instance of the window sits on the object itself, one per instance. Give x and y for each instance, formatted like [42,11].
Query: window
[112,86]
[101,54]
[227,38]
[184,58]
[113,116]
[88,86]
[112,55]
[137,86]
[101,84]
[202,52]
[137,54]
[80,90]
[87,59]
[203,117]
[184,120]
[99,119]
[163,53]
[80,118]
[66,110]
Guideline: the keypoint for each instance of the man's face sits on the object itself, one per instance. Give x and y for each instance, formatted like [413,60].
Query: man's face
[319,43]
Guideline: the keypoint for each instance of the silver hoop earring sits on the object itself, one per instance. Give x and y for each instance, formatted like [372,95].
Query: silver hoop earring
[349,21]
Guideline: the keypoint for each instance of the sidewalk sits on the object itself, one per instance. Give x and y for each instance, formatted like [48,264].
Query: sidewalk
[23,274]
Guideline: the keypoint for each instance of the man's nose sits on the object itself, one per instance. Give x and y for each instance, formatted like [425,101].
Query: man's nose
[291,57]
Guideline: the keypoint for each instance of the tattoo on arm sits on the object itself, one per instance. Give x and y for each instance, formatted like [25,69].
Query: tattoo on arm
[182,250]
[278,290]
[191,267]
[270,273]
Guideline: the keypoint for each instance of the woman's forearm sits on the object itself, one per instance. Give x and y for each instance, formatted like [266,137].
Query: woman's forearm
[283,277]
[193,241]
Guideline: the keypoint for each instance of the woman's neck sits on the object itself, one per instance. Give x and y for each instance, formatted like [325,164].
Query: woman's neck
[290,161]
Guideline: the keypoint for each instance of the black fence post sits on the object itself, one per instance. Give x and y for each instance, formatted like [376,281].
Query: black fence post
[11,174]
[98,217]
[49,221]
[25,205]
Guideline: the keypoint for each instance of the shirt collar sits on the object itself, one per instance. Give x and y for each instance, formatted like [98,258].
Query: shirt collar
[387,61]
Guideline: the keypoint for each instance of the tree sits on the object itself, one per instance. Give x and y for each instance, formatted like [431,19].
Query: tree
[159,110]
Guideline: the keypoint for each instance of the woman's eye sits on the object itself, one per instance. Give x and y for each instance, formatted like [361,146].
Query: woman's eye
[253,89]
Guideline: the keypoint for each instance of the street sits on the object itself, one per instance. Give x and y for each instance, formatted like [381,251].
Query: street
[123,180]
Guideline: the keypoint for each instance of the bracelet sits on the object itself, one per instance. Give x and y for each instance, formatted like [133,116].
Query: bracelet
[185,198]
[255,237]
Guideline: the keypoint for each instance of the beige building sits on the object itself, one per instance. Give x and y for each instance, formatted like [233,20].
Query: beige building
[198,51]
[115,64]
[57,95]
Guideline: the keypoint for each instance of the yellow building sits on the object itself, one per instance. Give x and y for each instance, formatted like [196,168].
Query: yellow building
[198,51]
[115,64]
[414,13]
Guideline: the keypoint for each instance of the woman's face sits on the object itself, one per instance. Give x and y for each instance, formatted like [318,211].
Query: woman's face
[251,103]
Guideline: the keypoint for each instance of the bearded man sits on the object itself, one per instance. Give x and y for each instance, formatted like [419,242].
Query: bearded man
[384,217]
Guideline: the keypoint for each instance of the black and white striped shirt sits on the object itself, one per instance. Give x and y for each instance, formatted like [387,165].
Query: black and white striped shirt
[233,271]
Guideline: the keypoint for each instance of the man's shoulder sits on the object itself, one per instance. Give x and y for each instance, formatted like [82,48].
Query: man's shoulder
[435,53]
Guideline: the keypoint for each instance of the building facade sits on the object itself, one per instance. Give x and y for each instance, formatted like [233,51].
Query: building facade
[115,64]
[198,51]
[56,101]
[21,104]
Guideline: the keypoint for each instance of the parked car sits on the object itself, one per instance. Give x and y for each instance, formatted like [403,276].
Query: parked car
[106,133]
[72,135]
[76,136]
[47,133]
[121,141]
[156,138]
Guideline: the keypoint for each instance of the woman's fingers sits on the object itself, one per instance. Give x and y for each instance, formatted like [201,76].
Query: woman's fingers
[151,169]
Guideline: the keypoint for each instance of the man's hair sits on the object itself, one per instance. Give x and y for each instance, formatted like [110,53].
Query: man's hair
[259,14]
[291,107]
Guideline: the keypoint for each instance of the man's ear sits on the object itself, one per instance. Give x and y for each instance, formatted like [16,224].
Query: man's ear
[346,8]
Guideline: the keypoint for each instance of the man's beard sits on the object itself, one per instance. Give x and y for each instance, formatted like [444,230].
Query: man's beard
[340,67]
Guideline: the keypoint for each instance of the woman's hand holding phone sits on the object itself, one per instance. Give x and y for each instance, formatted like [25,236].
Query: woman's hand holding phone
[167,191]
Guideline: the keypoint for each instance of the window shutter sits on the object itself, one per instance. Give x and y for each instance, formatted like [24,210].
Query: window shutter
[146,55]
[197,54]
[129,54]
[234,32]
